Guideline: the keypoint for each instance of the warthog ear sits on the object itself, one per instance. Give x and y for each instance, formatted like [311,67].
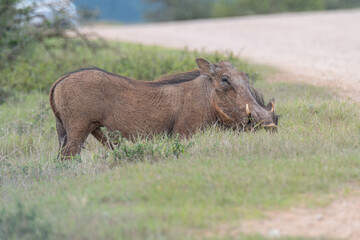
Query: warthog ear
[205,67]
[226,63]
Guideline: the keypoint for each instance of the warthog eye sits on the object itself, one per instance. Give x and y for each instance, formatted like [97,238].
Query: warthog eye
[224,79]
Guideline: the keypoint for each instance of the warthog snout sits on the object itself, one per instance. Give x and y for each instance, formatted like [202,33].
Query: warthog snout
[263,117]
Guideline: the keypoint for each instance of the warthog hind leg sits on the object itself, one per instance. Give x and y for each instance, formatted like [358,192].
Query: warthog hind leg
[75,138]
[61,136]
[102,138]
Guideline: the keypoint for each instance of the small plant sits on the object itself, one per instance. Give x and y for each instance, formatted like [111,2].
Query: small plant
[177,147]
[154,148]
[42,114]
[5,94]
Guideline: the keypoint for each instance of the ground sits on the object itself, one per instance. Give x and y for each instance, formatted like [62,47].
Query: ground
[339,220]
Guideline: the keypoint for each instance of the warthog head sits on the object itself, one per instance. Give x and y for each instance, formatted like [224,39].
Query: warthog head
[236,103]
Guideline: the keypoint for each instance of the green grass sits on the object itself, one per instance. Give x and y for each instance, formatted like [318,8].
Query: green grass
[169,188]
[38,69]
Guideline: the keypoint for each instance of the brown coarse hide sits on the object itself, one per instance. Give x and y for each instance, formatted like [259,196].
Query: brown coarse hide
[85,101]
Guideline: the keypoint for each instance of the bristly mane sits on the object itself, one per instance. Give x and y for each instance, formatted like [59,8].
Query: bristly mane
[176,78]
[179,77]
[92,68]
[191,75]
[163,80]
[258,97]
[101,70]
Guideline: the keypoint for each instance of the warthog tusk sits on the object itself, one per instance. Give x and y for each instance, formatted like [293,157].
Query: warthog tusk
[271,125]
[272,106]
[248,110]
[223,116]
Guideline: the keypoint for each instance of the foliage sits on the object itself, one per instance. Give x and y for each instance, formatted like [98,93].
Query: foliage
[165,10]
[162,10]
[23,29]
[88,15]
[23,26]
[150,149]
[13,35]
[5,94]
[22,224]
[32,71]
[225,8]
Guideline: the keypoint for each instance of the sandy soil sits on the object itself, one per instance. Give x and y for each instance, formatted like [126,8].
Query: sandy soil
[340,220]
[321,48]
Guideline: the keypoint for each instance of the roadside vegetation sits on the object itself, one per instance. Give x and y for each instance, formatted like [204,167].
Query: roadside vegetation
[165,10]
[164,188]
[26,24]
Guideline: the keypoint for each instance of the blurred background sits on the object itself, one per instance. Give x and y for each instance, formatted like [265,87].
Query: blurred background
[168,10]
[23,21]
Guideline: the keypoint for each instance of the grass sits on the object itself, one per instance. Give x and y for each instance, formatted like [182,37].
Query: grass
[38,69]
[169,188]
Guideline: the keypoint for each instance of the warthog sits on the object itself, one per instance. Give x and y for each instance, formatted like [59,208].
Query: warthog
[86,100]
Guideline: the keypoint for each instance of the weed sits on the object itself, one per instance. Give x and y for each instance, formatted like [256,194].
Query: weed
[33,71]
[150,148]
[5,94]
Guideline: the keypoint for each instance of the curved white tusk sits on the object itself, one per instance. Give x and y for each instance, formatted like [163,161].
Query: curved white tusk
[272,106]
[248,110]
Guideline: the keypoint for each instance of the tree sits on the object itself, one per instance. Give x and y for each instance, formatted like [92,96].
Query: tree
[24,22]
[13,34]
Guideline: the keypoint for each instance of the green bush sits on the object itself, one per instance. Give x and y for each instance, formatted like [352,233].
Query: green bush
[163,10]
[22,224]
[224,8]
[13,35]
[21,30]
[5,94]
[38,69]
[142,149]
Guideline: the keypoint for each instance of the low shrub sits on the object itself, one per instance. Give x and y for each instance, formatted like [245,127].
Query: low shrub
[151,149]
[39,69]
[23,224]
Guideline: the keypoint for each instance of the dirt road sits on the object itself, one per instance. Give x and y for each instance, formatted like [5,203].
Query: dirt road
[321,48]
